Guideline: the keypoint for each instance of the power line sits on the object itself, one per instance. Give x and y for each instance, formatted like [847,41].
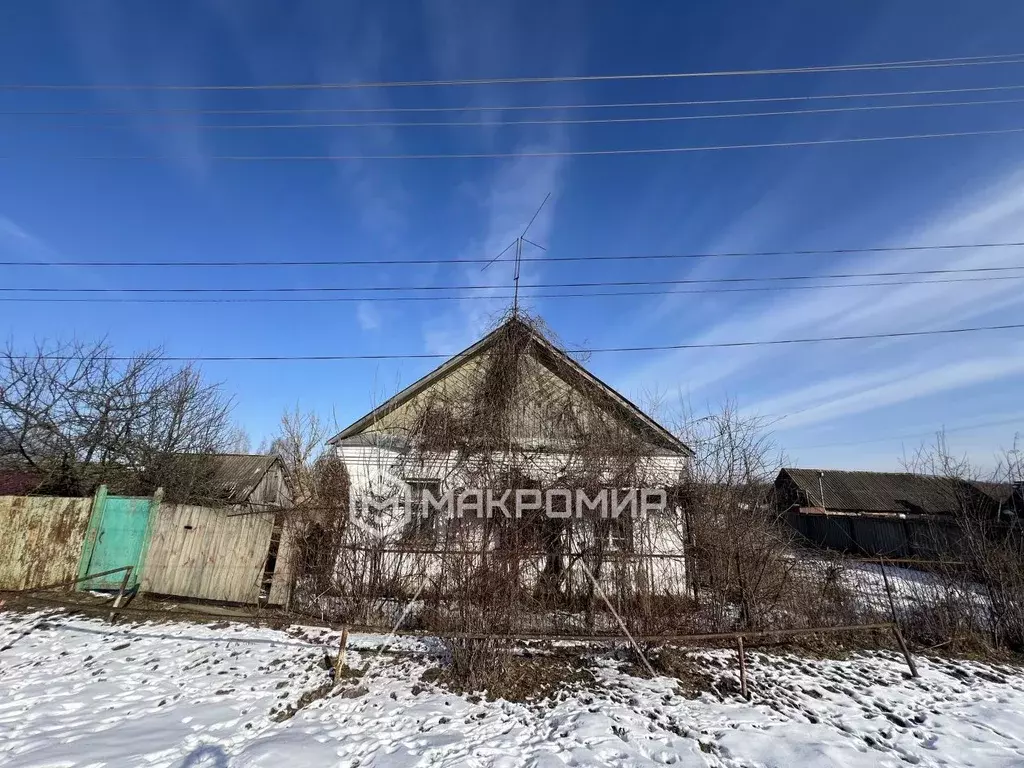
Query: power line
[497,107]
[623,257]
[492,123]
[483,287]
[943,430]
[651,348]
[588,295]
[960,61]
[549,153]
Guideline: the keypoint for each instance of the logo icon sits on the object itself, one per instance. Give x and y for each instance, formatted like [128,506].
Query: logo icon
[378,515]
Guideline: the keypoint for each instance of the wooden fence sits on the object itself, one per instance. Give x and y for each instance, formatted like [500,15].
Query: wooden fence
[207,553]
[878,535]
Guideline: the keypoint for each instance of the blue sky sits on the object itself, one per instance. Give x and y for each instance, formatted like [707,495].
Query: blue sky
[852,404]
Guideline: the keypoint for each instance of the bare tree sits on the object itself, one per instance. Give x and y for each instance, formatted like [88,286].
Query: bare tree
[299,442]
[238,440]
[78,415]
[318,519]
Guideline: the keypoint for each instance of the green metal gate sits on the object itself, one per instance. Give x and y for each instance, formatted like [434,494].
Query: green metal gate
[118,536]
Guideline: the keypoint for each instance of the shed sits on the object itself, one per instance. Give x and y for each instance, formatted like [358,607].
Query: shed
[258,480]
[882,514]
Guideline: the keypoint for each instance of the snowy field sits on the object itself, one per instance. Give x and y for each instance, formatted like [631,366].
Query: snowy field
[79,692]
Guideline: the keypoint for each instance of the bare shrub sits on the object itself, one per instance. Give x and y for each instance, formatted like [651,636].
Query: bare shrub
[740,552]
[988,542]
[477,663]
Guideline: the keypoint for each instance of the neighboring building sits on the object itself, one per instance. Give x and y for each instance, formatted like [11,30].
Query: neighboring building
[884,514]
[19,482]
[1009,497]
[255,480]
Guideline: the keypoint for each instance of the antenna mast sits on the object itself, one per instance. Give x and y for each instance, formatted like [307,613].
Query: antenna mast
[518,243]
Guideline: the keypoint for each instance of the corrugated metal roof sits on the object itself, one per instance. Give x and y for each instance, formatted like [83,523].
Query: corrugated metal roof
[877,491]
[1000,492]
[236,475]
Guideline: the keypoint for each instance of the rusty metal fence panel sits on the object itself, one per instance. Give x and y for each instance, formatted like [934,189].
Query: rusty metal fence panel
[42,539]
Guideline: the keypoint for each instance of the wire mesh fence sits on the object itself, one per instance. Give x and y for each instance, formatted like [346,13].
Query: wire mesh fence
[593,592]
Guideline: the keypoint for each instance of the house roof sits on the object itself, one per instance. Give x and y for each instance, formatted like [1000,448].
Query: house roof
[881,492]
[998,492]
[236,475]
[18,482]
[550,356]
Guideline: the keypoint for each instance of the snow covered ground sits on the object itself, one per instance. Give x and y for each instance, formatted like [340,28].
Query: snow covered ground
[79,692]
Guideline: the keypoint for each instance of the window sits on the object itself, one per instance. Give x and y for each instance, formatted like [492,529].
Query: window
[418,525]
[620,534]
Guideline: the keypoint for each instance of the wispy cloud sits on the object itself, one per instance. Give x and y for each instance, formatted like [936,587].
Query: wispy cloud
[509,198]
[831,400]
[16,240]
[17,236]
[994,212]
[368,316]
[106,45]
[479,40]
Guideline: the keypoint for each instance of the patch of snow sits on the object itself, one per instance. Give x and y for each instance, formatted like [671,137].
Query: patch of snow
[79,692]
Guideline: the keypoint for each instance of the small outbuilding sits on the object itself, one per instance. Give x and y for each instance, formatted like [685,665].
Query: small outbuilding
[884,514]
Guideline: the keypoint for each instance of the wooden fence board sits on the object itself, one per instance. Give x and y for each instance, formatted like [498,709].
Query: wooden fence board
[281,587]
[202,552]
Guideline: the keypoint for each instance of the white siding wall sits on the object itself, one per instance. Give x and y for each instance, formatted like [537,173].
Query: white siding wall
[378,472]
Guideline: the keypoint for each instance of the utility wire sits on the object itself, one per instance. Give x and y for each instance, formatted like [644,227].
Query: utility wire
[650,348]
[496,107]
[191,126]
[548,153]
[434,298]
[942,429]
[960,61]
[600,257]
[401,299]
[487,287]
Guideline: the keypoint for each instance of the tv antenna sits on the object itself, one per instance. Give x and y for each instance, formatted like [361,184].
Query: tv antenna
[518,245]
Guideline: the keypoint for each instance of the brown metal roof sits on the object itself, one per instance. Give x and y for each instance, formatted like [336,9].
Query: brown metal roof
[236,475]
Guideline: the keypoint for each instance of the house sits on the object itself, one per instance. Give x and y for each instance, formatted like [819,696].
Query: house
[883,514]
[511,412]
[389,438]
